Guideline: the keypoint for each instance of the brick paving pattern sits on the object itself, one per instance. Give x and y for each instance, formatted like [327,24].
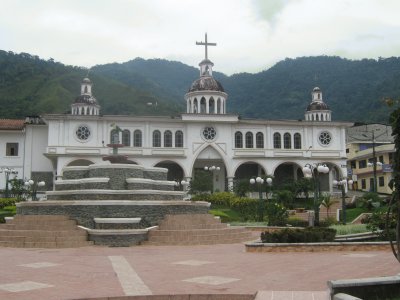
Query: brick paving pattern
[94,271]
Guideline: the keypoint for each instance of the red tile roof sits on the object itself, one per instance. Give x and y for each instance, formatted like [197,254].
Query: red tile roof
[11,124]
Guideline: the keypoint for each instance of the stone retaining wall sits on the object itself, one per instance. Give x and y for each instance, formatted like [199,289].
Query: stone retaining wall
[85,211]
[314,247]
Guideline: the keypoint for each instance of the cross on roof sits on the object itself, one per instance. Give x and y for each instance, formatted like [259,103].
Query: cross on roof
[206,44]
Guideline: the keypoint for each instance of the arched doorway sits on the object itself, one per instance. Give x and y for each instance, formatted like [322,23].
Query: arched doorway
[287,173]
[175,171]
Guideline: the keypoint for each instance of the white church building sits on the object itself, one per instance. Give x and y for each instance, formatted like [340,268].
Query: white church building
[205,135]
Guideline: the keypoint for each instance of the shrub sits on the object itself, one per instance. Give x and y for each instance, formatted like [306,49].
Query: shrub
[277,214]
[222,199]
[247,207]
[307,235]
[285,197]
[376,222]
[201,197]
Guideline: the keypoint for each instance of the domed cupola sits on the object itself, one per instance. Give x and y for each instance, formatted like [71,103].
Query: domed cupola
[206,95]
[317,110]
[85,103]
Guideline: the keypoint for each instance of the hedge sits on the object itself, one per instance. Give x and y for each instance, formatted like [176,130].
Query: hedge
[307,235]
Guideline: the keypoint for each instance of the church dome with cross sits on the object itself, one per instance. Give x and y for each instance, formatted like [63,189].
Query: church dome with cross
[206,95]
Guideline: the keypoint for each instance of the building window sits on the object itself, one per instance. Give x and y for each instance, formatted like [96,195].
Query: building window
[371,184]
[249,140]
[137,138]
[381,159]
[381,181]
[259,140]
[126,138]
[353,164]
[297,141]
[363,184]
[287,141]
[277,140]
[391,158]
[167,138]
[362,164]
[12,149]
[347,150]
[156,138]
[209,133]
[179,139]
[238,139]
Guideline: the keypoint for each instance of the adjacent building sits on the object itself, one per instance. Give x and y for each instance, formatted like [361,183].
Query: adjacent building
[370,153]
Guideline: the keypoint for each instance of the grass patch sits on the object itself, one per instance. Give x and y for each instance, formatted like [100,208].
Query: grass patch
[7,211]
[349,228]
[226,214]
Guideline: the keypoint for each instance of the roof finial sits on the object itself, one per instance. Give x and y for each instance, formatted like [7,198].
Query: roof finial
[206,44]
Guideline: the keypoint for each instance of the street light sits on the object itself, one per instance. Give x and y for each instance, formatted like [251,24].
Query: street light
[212,169]
[313,171]
[342,184]
[7,172]
[260,181]
[33,186]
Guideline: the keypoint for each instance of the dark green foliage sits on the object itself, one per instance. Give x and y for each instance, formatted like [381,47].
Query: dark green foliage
[286,197]
[376,222]
[353,89]
[201,182]
[7,202]
[242,187]
[307,235]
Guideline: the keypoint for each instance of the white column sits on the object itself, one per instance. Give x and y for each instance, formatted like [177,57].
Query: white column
[230,184]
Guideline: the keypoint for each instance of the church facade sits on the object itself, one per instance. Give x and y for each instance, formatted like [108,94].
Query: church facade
[206,136]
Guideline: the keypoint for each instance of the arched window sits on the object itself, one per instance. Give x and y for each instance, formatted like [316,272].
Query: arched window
[259,140]
[211,106]
[277,140]
[249,140]
[126,138]
[179,139]
[195,106]
[137,138]
[316,117]
[167,138]
[114,136]
[287,141]
[297,141]
[238,139]
[156,138]
[203,105]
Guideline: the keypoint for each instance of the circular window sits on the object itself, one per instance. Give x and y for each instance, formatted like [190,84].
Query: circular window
[83,132]
[325,138]
[209,133]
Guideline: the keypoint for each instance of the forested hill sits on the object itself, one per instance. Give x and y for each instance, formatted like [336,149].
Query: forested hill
[353,89]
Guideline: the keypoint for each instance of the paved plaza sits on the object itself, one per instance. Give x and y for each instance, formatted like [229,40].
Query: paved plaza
[96,271]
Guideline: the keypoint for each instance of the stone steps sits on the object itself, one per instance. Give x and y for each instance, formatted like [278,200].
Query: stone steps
[196,229]
[42,231]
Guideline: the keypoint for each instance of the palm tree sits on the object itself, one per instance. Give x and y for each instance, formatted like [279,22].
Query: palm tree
[327,202]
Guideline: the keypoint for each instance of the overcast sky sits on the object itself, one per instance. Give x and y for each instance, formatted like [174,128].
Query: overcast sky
[251,35]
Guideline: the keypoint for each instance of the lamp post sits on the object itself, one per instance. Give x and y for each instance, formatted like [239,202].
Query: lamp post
[212,169]
[7,172]
[374,164]
[260,181]
[33,186]
[342,184]
[313,171]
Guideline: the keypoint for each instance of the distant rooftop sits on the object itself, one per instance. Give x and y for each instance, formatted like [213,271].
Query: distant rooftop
[11,124]
[363,133]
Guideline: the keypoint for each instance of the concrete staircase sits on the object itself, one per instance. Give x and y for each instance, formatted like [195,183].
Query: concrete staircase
[195,229]
[42,231]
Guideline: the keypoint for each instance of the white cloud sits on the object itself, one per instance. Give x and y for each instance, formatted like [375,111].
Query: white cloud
[251,35]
